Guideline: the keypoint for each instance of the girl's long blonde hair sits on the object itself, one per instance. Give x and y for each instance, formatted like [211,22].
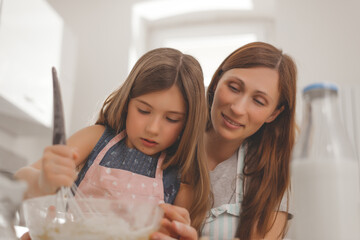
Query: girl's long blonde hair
[158,70]
[266,164]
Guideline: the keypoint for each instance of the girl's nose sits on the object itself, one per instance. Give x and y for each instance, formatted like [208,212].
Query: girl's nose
[153,126]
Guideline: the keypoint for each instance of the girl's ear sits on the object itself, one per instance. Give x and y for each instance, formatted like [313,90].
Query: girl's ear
[274,115]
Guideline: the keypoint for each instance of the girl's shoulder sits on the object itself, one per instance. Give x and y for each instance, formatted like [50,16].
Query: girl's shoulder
[185,196]
[85,140]
[90,133]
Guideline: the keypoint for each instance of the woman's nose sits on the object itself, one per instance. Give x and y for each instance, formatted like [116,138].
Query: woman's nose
[239,106]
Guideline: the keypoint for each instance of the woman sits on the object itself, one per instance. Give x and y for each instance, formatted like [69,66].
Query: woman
[249,138]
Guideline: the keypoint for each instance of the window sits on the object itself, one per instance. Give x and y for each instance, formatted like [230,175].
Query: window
[209,49]
[207,30]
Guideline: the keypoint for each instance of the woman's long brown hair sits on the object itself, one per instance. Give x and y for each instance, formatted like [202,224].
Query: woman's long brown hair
[267,161]
[159,70]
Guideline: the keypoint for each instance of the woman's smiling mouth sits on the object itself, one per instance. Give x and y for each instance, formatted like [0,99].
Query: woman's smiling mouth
[231,123]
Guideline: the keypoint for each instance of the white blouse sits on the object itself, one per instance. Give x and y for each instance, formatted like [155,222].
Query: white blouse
[226,184]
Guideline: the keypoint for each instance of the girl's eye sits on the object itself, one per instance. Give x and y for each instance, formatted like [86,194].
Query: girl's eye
[172,120]
[143,111]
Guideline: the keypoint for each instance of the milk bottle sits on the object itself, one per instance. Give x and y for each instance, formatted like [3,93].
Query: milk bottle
[324,171]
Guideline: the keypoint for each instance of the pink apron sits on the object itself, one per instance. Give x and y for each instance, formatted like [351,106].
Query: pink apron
[100,181]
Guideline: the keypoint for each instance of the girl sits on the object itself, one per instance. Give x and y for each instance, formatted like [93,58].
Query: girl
[249,138]
[149,132]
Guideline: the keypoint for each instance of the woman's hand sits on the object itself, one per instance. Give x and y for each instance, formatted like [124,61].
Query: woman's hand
[175,225]
[58,168]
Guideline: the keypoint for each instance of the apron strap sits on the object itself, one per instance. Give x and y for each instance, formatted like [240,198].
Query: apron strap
[112,142]
[159,171]
[239,177]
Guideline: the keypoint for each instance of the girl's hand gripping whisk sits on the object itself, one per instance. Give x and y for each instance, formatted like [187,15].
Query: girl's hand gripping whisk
[61,156]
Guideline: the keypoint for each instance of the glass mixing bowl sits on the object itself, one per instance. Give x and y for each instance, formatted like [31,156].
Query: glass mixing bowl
[91,219]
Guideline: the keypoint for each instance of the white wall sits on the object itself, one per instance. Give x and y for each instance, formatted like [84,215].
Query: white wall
[94,61]
[95,53]
[322,36]
[30,39]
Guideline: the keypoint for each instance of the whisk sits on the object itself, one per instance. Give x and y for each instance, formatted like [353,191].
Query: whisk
[65,197]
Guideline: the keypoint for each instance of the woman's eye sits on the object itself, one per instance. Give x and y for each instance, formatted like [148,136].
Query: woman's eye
[234,88]
[143,111]
[259,102]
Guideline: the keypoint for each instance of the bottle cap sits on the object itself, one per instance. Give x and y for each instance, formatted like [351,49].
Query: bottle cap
[324,85]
